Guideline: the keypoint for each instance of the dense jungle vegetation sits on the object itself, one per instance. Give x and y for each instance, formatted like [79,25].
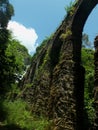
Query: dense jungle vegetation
[15,113]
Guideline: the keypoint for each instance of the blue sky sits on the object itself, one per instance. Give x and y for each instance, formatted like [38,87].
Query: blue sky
[40,18]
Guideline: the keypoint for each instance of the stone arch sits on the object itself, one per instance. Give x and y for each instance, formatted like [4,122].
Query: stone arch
[78,21]
[81,15]
[83,11]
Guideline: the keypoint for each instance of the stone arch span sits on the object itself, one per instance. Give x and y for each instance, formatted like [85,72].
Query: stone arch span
[81,15]
[78,21]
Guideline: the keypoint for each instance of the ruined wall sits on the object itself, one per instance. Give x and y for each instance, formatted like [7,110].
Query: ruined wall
[54,83]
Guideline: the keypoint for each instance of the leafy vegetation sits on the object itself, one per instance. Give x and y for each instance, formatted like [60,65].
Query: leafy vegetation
[88,63]
[6,12]
[14,62]
[71,8]
[6,63]
[85,42]
[20,53]
[22,116]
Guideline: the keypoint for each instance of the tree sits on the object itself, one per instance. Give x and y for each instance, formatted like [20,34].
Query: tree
[21,56]
[88,63]
[6,12]
[85,41]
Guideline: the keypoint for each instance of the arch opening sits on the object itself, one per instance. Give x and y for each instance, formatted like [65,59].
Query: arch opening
[77,26]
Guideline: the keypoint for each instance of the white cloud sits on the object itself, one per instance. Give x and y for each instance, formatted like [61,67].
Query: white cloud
[27,36]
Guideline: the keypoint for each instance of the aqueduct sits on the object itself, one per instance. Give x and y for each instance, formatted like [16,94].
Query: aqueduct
[58,82]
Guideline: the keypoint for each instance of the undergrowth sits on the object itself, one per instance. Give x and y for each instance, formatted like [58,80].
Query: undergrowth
[18,113]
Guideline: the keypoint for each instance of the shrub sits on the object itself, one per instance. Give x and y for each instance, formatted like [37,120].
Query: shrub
[19,114]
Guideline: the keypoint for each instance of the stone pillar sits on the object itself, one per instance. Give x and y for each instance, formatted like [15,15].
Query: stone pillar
[79,94]
[96,83]
[79,74]
[67,90]
[62,97]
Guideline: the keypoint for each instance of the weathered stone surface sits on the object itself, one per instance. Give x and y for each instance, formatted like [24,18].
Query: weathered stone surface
[56,77]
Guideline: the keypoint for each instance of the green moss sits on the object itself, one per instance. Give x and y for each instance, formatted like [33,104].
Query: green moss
[66,34]
[42,67]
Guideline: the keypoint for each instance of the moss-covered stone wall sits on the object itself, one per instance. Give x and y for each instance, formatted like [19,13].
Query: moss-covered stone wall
[54,83]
